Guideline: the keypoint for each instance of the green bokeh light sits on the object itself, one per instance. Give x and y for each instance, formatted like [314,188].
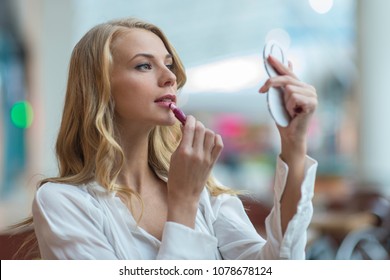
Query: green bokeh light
[22,114]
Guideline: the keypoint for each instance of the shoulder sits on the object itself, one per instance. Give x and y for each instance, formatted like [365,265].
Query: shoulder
[55,191]
[58,197]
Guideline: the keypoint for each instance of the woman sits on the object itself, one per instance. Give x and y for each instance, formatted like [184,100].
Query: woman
[134,184]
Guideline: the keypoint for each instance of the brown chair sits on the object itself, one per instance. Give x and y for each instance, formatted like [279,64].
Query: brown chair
[11,246]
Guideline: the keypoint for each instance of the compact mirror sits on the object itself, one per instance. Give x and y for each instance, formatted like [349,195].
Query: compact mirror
[275,95]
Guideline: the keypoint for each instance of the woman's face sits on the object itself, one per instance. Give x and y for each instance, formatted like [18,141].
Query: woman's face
[142,83]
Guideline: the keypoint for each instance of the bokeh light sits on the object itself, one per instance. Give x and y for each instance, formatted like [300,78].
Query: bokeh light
[321,6]
[279,35]
[22,114]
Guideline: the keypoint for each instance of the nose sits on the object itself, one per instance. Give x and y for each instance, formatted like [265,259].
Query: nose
[168,78]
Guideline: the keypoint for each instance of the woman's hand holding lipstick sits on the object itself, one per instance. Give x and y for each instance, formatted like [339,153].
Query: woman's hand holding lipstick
[190,167]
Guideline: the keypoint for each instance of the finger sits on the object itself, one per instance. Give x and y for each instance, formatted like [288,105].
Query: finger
[281,81]
[218,146]
[280,67]
[199,137]
[290,66]
[299,104]
[209,141]
[285,80]
[290,90]
[188,132]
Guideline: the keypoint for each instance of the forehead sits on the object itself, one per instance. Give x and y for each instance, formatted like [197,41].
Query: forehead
[136,40]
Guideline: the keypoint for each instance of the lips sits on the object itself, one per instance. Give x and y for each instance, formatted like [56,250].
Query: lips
[169,98]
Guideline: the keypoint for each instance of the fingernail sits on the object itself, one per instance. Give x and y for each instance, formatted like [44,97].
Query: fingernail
[298,110]
[261,90]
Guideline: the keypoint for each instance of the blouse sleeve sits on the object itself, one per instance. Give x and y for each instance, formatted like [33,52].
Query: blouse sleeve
[237,237]
[180,242]
[68,225]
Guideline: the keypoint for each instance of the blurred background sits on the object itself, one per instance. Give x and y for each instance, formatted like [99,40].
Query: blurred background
[339,46]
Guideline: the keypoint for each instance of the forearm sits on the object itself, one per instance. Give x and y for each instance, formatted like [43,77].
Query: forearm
[294,157]
[182,210]
[300,102]
[190,167]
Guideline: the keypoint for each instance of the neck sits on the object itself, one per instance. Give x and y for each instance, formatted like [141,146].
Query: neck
[136,172]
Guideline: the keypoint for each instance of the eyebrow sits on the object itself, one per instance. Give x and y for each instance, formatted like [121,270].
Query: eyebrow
[149,56]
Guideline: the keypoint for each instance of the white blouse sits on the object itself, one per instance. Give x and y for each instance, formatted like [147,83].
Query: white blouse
[87,222]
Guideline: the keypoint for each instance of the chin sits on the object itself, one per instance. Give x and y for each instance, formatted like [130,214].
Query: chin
[170,122]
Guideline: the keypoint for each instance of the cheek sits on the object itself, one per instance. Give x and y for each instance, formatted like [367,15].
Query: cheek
[125,103]
[123,89]
[129,98]
[123,96]
[126,84]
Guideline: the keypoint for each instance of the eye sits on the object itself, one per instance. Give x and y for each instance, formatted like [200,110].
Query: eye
[170,66]
[144,66]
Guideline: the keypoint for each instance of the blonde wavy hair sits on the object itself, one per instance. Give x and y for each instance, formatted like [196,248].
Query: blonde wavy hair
[87,148]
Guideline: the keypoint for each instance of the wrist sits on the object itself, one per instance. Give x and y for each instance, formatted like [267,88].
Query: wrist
[182,211]
[293,152]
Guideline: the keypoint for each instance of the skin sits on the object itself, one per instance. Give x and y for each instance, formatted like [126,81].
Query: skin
[140,75]
[301,101]
[137,81]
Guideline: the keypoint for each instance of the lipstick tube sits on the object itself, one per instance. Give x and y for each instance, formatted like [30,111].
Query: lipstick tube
[178,113]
